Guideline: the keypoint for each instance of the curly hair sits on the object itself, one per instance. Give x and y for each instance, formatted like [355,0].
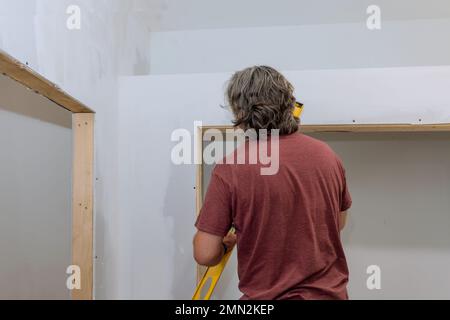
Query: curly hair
[261,98]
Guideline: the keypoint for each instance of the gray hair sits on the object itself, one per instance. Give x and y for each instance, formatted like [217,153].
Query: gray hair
[261,98]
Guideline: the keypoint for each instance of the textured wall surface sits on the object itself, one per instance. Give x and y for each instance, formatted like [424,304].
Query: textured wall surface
[113,40]
[35,195]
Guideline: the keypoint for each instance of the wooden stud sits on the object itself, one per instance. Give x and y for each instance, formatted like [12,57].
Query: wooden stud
[199,175]
[199,189]
[401,127]
[376,128]
[32,80]
[82,202]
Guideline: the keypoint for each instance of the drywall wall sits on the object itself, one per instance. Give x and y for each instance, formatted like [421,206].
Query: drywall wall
[399,220]
[369,95]
[159,197]
[395,223]
[156,195]
[35,195]
[113,39]
[324,46]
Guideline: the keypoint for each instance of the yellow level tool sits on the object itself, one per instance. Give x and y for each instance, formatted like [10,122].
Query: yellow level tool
[212,275]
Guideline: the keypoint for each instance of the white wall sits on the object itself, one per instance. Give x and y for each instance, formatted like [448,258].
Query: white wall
[157,197]
[113,39]
[35,195]
[400,217]
[324,46]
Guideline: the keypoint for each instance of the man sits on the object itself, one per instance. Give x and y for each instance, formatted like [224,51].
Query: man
[288,224]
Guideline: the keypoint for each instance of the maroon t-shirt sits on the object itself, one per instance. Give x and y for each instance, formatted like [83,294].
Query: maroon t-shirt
[287,224]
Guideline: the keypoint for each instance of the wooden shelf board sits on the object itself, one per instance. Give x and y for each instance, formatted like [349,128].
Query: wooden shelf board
[441,127]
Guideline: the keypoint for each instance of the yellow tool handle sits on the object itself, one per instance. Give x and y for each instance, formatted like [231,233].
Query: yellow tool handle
[213,274]
[298,109]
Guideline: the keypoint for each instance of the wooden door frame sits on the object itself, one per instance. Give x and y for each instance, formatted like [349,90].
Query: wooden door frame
[82,167]
[336,128]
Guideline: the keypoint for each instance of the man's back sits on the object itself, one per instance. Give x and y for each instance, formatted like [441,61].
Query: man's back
[287,224]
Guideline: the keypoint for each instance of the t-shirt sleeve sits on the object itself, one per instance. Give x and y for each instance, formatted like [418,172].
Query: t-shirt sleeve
[216,214]
[346,199]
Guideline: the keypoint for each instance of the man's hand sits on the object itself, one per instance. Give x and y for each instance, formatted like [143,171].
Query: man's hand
[230,241]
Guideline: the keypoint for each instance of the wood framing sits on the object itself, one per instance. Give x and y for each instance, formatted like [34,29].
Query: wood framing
[83,165]
[29,78]
[199,188]
[83,201]
[401,127]
[362,128]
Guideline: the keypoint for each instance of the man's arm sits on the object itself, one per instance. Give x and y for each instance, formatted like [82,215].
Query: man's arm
[209,249]
[342,220]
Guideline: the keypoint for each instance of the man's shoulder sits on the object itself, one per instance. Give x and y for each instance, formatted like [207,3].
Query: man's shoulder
[315,143]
